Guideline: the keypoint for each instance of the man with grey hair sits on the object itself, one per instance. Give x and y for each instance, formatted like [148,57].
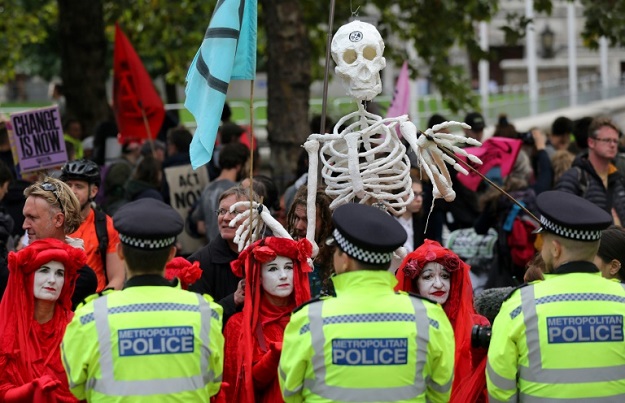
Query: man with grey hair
[52,210]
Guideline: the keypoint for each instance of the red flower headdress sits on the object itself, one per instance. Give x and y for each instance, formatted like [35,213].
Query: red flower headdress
[187,272]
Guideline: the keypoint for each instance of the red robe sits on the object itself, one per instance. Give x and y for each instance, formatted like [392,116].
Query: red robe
[29,351]
[253,338]
[264,371]
[469,365]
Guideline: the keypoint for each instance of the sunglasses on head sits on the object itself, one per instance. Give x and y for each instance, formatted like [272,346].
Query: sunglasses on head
[51,187]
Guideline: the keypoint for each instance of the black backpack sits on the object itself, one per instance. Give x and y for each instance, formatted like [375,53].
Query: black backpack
[103,237]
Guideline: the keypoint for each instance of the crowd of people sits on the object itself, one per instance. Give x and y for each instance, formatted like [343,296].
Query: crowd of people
[102,301]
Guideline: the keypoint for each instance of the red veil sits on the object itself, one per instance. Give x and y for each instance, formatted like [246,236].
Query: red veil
[29,350]
[260,321]
[458,307]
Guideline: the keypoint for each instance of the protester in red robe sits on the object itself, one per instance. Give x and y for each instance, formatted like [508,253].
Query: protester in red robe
[437,273]
[276,281]
[34,312]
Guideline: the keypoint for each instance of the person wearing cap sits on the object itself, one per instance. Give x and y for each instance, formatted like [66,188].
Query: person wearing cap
[561,339]
[368,343]
[152,341]
[96,230]
[477,123]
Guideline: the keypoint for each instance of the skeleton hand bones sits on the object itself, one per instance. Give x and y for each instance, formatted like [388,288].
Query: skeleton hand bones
[260,217]
[432,150]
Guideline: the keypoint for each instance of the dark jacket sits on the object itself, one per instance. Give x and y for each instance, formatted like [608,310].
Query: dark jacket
[136,189]
[582,180]
[543,172]
[217,279]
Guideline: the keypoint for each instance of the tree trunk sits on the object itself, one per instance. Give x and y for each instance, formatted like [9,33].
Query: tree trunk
[84,68]
[171,95]
[288,85]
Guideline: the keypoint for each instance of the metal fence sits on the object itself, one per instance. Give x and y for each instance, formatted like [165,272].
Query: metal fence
[512,100]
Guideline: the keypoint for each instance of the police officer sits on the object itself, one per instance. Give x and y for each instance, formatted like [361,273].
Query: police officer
[151,341]
[368,343]
[562,338]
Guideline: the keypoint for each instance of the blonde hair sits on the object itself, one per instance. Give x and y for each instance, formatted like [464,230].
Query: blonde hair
[60,199]
[561,161]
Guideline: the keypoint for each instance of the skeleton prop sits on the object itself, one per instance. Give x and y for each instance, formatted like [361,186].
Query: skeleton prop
[252,222]
[366,161]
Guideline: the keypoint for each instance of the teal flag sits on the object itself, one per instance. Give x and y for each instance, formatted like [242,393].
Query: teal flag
[228,52]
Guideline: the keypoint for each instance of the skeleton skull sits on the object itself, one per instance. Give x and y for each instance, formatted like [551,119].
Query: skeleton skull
[357,50]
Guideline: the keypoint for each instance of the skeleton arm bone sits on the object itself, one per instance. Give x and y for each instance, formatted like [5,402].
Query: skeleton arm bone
[312,147]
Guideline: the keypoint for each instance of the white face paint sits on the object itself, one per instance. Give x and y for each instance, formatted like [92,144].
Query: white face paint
[277,277]
[48,281]
[434,282]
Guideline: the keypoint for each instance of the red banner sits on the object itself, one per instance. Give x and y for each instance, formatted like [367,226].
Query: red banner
[134,94]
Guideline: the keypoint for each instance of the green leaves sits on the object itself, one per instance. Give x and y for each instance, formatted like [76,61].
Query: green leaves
[23,24]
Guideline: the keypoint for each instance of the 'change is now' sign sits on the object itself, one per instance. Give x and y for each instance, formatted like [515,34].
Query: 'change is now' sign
[38,137]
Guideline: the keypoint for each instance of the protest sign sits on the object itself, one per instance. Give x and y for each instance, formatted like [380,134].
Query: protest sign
[38,136]
[185,188]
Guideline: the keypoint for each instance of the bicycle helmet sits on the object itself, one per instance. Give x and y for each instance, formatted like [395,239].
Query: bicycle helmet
[84,170]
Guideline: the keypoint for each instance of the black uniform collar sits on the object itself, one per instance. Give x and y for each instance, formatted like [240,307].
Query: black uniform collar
[149,280]
[576,267]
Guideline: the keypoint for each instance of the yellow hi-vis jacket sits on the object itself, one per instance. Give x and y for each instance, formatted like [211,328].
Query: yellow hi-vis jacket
[368,344]
[561,338]
[145,344]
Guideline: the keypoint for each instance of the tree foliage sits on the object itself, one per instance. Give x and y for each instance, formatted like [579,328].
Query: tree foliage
[167,34]
[23,24]
[434,27]
[604,18]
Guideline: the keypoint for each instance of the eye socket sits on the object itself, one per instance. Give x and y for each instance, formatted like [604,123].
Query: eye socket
[369,53]
[350,56]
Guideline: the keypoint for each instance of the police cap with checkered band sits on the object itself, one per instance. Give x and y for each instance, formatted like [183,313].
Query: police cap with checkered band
[570,216]
[147,224]
[367,233]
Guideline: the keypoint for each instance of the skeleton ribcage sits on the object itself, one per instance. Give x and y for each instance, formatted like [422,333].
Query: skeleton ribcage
[382,173]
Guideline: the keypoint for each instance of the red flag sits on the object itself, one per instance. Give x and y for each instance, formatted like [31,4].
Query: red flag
[133,91]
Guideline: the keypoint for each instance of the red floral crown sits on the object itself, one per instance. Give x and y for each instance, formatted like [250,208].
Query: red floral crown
[430,251]
[187,272]
[266,250]
[43,251]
